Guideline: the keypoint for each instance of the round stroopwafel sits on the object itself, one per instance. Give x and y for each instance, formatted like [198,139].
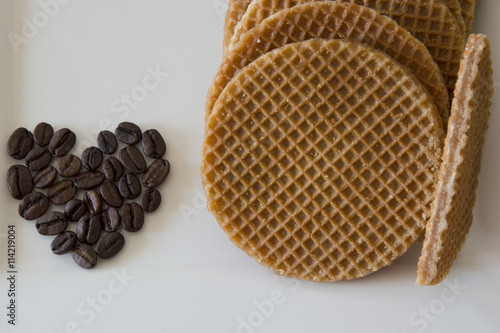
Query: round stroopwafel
[451,214]
[236,9]
[331,20]
[468,11]
[319,159]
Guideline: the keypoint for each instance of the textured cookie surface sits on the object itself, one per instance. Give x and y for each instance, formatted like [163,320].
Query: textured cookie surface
[236,9]
[451,214]
[331,20]
[319,160]
[468,11]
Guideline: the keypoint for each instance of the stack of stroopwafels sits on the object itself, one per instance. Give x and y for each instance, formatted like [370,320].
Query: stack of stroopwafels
[325,156]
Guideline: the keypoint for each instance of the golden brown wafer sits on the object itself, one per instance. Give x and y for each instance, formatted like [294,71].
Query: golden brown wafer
[319,159]
[333,20]
[451,214]
[468,11]
[236,9]
[456,10]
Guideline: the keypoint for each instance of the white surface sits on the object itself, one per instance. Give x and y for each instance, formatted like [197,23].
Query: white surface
[188,277]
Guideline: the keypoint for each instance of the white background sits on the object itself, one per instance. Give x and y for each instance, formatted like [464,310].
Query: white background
[187,276]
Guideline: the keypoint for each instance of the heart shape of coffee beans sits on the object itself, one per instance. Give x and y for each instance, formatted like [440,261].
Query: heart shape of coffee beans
[52,176]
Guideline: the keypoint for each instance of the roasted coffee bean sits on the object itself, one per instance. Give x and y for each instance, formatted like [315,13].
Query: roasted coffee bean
[93,201]
[150,200]
[19,181]
[128,133]
[45,177]
[62,142]
[38,158]
[111,195]
[129,186]
[20,143]
[132,160]
[61,192]
[132,217]
[63,243]
[92,158]
[110,219]
[112,169]
[88,229]
[89,180]
[51,224]
[110,244]
[85,256]
[156,173]
[69,166]
[43,134]
[74,209]
[106,141]
[153,144]
[33,206]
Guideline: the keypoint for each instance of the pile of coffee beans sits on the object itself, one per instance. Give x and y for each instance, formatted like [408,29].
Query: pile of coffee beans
[94,190]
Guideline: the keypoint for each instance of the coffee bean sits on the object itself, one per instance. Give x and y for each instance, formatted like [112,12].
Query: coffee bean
[85,256]
[20,143]
[156,173]
[153,144]
[106,141]
[88,229]
[19,181]
[110,244]
[74,209]
[38,158]
[150,200]
[92,158]
[62,142]
[129,186]
[112,169]
[132,160]
[45,177]
[89,180]
[110,219]
[63,243]
[61,192]
[93,201]
[43,134]
[132,217]
[128,133]
[111,195]
[33,206]
[69,166]
[51,224]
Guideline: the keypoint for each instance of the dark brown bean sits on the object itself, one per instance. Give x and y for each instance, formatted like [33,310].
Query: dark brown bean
[51,224]
[132,217]
[45,177]
[33,206]
[111,195]
[110,244]
[69,166]
[75,209]
[110,219]
[88,229]
[156,173]
[38,158]
[43,134]
[20,143]
[92,158]
[19,181]
[85,256]
[150,200]
[93,201]
[106,141]
[61,192]
[89,180]
[112,169]
[153,144]
[128,133]
[132,160]
[62,142]
[129,186]
[63,243]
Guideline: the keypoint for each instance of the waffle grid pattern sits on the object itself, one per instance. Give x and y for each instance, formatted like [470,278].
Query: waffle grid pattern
[468,12]
[337,183]
[331,20]
[235,11]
